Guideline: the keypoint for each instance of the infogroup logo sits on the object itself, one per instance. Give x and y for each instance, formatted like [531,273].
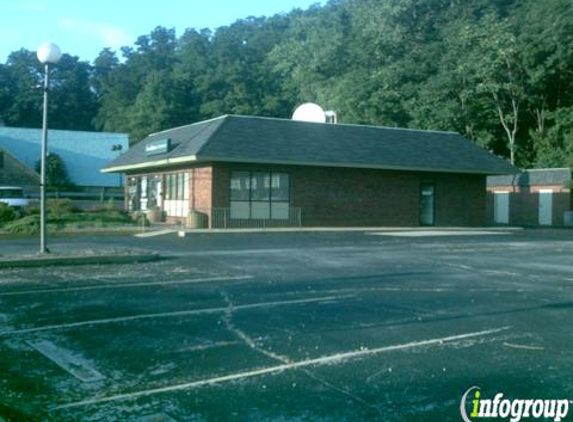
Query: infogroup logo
[514,409]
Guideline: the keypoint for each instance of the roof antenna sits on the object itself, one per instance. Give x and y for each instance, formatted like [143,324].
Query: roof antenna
[331,117]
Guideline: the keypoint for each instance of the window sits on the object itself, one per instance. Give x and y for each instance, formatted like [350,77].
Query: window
[153,191]
[259,195]
[176,186]
[133,186]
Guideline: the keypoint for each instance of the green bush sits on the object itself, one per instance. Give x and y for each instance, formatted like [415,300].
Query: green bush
[25,225]
[109,205]
[61,206]
[71,220]
[7,213]
[140,219]
[32,210]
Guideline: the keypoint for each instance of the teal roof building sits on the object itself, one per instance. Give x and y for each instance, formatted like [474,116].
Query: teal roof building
[84,153]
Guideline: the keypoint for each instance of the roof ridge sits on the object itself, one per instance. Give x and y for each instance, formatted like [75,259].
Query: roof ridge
[210,138]
[344,124]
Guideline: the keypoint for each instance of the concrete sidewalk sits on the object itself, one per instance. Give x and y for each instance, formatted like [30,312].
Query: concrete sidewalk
[184,232]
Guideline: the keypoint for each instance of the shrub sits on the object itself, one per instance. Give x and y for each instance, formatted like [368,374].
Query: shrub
[32,210]
[7,213]
[141,219]
[26,225]
[109,205]
[61,206]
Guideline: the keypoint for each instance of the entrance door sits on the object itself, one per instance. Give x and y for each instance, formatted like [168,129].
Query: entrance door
[501,207]
[545,207]
[427,205]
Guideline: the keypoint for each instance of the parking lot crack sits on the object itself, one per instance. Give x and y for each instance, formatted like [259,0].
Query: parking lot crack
[252,344]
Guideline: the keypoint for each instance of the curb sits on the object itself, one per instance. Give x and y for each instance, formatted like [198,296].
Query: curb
[185,232]
[65,260]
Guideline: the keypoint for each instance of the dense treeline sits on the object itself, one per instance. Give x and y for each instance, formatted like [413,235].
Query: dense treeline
[498,71]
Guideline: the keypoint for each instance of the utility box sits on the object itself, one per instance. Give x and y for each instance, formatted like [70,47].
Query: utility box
[196,220]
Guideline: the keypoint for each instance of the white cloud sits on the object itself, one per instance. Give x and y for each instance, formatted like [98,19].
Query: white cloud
[109,35]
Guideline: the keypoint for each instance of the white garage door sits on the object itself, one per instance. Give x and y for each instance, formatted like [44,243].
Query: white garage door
[545,207]
[501,207]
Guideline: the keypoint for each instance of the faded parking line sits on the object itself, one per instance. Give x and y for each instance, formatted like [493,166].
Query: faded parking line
[331,359]
[205,311]
[67,360]
[124,285]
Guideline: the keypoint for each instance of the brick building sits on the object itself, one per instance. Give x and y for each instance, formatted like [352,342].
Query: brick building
[541,197]
[242,171]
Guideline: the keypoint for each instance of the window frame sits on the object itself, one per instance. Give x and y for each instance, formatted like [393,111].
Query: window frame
[270,201]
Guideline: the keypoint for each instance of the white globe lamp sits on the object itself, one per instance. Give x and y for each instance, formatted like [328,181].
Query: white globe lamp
[49,53]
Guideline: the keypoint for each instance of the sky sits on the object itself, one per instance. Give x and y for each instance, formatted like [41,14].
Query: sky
[84,27]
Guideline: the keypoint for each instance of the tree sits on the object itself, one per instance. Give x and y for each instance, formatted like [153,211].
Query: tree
[56,172]
[120,84]
[166,100]
[24,80]
[72,102]
[497,71]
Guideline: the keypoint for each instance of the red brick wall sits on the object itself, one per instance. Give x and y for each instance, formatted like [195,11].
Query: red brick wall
[460,199]
[332,196]
[201,180]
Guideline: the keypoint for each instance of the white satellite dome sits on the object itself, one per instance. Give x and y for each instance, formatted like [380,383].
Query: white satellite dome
[309,112]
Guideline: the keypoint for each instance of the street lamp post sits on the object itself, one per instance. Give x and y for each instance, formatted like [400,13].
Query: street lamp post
[48,54]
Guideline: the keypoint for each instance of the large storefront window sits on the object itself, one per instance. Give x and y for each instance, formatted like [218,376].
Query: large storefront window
[175,186]
[133,187]
[259,195]
[176,194]
[153,191]
[169,192]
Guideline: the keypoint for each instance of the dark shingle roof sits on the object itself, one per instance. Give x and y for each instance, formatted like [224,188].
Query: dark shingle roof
[535,177]
[281,141]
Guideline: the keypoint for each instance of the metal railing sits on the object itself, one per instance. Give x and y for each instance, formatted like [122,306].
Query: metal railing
[86,199]
[221,219]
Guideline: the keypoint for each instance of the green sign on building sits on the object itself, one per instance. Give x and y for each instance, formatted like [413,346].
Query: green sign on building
[160,146]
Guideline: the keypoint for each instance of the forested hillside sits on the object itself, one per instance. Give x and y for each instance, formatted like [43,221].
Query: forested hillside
[498,71]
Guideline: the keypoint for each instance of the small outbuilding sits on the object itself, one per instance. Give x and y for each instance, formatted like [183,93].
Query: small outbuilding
[240,171]
[540,197]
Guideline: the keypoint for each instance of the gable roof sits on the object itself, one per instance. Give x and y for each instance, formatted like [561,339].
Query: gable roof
[247,139]
[84,153]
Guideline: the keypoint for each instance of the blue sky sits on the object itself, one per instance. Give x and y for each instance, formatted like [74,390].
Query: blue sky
[84,27]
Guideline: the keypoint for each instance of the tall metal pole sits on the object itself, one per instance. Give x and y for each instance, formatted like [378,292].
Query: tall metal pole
[43,231]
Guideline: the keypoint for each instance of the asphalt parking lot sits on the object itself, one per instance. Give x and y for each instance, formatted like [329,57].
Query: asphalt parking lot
[378,326]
